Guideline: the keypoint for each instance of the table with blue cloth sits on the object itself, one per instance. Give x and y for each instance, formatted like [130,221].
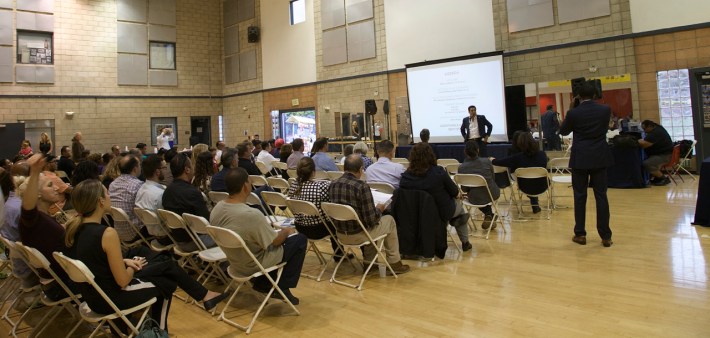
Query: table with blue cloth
[702,205]
[456,150]
[627,171]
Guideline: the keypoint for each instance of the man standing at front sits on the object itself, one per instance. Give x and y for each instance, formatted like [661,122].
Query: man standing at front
[350,190]
[550,124]
[589,159]
[477,128]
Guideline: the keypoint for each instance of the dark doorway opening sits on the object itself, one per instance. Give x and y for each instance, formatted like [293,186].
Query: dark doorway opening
[200,130]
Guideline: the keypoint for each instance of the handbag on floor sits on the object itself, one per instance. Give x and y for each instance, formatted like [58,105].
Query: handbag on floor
[151,329]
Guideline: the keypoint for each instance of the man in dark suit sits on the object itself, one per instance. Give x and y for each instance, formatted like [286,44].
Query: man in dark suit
[550,128]
[479,131]
[589,159]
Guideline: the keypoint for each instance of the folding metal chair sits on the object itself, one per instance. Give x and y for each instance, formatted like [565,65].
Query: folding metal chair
[686,159]
[446,161]
[473,181]
[228,239]
[175,222]
[452,169]
[340,212]
[275,202]
[533,181]
[79,273]
[381,187]
[334,175]
[278,184]
[262,167]
[217,196]
[671,168]
[400,160]
[291,173]
[559,173]
[322,175]
[155,228]
[340,166]
[279,167]
[257,181]
[119,215]
[504,181]
[37,261]
[212,256]
[34,291]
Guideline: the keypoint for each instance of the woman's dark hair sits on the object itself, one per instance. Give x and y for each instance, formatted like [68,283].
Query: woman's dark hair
[304,170]
[285,152]
[348,150]
[421,159]
[471,149]
[527,145]
[203,169]
[319,145]
[106,158]
[85,170]
[6,184]
[648,123]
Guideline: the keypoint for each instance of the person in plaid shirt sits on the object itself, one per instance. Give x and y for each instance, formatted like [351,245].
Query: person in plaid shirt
[350,190]
[123,191]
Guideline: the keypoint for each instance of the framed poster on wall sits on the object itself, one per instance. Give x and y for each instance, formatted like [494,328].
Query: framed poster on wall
[157,124]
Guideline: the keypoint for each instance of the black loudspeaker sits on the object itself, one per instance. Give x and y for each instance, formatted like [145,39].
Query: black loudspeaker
[515,110]
[597,88]
[253,34]
[386,107]
[370,107]
[576,84]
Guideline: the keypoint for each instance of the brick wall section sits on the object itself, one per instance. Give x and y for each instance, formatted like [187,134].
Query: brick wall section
[244,45]
[281,100]
[236,119]
[688,49]
[347,97]
[376,64]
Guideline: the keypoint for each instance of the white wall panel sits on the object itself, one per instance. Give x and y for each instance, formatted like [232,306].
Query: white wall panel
[648,15]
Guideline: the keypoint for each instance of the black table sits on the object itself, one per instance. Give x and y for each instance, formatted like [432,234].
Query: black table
[702,205]
[455,150]
[628,171]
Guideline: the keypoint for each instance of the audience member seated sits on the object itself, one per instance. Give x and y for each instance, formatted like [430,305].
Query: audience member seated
[123,191]
[66,164]
[167,157]
[127,279]
[350,190]
[111,172]
[361,148]
[278,144]
[26,149]
[265,155]
[384,170]
[320,157]
[244,161]
[284,153]
[62,188]
[298,148]
[268,246]
[529,156]
[182,197]
[347,151]
[425,175]
[307,189]
[229,161]
[10,227]
[5,164]
[204,169]
[473,164]
[256,148]
[86,170]
[150,194]
[659,149]
[38,229]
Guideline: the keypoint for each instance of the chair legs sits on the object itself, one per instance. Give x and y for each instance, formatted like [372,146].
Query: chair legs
[379,245]
[321,261]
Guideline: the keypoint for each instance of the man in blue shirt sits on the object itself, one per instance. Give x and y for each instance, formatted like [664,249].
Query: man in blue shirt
[321,158]
[384,170]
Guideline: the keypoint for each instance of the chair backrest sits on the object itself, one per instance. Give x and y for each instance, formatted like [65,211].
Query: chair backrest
[254,200]
[470,180]
[340,166]
[334,175]
[532,181]
[280,165]
[228,239]
[273,198]
[278,183]
[322,175]
[675,156]
[446,161]
[119,215]
[381,187]
[559,165]
[502,177]
[339,212]
[291,173]
[300,207]
[452,168]
[217,196]
[171,219]
[257,180]
[262,167]
[38,261]
[198,225]
[400,160]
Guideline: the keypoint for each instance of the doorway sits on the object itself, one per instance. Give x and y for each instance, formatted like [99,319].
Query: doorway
[34,130]
[200,130]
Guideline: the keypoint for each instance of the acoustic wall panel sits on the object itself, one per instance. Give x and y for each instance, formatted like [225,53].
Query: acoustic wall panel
[132,69]
[231,40]
[575,10]
[35,21]
[361,41]
[231,69]
[6,4]
[161,12]
[163,77]
[46,6]
[34,74]
[332,13]
[247,65]
[132,38]
[357,10]
[6,64]
[335,49]
[161,33]
[245,10]
[132,10]
[6,27]
[529,14]
[229,12]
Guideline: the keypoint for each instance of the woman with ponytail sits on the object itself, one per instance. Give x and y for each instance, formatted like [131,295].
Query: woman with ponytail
[307,189]
[129,279]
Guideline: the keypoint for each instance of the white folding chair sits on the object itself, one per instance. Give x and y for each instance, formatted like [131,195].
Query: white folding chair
[341,212]
[505,182]
[228,239]
[217,196]
[382,187]
[279,167]
[526,179]
[322,175]
[446,161]
[400,160]
[291,173]
[559,173]
[155,228]
[308,209]
[212,256]
[684,162]
[340,166]
[276,204]
[175,222]
[257,181]
[262,167]
[473,181]
[119,215]
[33,291]
[334,175]
[79,273]
[452,169]
[37,261]
[278,183]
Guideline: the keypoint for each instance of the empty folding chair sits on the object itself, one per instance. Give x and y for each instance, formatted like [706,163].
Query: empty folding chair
[217,196]
[340,212]
[212,256]
[559,173]
[477,182]
[533,182]
[155,228]
[278,184]
[381,187]
[79,273]
[229,240]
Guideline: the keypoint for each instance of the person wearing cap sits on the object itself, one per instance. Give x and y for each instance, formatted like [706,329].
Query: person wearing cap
[63,189]
[277,147]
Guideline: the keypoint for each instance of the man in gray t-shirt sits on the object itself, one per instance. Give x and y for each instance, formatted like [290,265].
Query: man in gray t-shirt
[268,246]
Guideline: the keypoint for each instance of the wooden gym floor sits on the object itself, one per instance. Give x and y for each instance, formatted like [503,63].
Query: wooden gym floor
[531,282]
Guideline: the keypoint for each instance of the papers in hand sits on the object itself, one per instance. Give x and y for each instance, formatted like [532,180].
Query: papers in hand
[380,197]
